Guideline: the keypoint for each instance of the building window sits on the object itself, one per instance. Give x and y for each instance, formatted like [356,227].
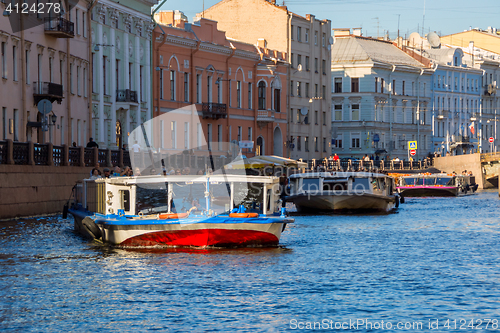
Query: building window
[238,94]
[324,145]
[307,36]
[316,65]
[354,84]
[219,136]
[292,87]
[316,118]
[84,18]
[394,87]
[316,144]
[78,84]
[306,144]
[307,64]
[307,89]
[130,74]
[141,87]
[249,95]
[323,92]
[85,82]
[4,122]
[186,135]
[315,37]
[338,141]
[27,66]
[172,85]
[299,89]
[355,138]
[323,40]
[198,88]
[173,130]
[77,21]
[186,87]
[262,95]
[376,84]
[299,143]
[299,60]
[382,83]
[338,112]
[14,63]
[277,100]
[291,32]
[16,125]
[4,60]
[71,86]
[161,84]
[209,136]
[316,91]
[403,88]
[240,133]
[337,84]
[209,89]
[323,66]
[324,118]
[292,61]
[355,112]
[299,34]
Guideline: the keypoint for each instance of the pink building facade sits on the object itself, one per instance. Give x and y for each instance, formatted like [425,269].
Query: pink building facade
[236,91]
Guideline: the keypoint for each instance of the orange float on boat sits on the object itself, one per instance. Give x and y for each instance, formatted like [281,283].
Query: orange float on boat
[172,216]
[243,215]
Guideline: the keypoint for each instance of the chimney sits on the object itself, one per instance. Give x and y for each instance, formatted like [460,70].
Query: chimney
[262,43]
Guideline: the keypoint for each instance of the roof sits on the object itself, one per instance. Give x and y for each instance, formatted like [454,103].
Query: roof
[355,49]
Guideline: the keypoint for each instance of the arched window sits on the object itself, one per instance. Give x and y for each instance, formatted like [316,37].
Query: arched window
[262,95]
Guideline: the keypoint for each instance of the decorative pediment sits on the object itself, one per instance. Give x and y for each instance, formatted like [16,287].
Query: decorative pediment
[40,48]
[114,15]
[337,100]
[355,100]
[52,52]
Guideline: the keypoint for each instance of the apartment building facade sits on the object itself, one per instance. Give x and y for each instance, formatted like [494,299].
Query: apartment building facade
[45,57]
[210,90]
[481,49]
[121,56]
[381,100]
[307,42]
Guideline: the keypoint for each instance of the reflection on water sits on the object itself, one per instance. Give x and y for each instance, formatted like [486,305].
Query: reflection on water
[436,258]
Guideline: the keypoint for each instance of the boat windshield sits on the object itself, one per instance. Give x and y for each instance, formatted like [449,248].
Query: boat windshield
[439,181]
[410,181]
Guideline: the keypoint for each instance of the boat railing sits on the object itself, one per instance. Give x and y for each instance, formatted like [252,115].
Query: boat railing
[361,165]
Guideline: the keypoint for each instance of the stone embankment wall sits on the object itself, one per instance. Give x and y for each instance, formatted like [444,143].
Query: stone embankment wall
[27,190]
[459,163]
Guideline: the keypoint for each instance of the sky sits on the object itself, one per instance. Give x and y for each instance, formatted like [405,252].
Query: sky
[376,17]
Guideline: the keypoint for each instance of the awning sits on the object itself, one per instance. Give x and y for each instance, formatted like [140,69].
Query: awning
[380,151]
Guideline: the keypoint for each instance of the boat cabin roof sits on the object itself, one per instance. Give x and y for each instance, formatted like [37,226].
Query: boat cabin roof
[434,175]
[158,179]
[338,175]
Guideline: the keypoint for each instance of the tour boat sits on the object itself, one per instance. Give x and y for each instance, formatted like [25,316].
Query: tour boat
[435,185]
[333,191]
[181,211]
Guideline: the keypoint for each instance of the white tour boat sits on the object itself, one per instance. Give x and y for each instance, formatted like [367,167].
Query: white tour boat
[198,211]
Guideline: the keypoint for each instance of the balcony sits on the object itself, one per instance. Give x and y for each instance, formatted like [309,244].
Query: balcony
[47,90]
[214,111]
[59,27]
[264,117]
[126,95]
[460,139]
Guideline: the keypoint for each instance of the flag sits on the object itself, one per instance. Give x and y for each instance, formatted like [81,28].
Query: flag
[471,127]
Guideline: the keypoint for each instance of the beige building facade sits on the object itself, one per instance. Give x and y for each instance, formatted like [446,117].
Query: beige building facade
[307,42]
[45,59]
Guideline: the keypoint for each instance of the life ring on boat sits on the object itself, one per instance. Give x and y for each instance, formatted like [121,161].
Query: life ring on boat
[172,216]
[243,215]
[91,227]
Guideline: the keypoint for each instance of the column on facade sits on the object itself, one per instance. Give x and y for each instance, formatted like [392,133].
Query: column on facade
[113,86]
[99,58]
[126,77]
[137,78]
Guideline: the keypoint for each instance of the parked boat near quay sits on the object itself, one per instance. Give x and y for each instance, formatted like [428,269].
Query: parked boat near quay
[434,185]
[334,191]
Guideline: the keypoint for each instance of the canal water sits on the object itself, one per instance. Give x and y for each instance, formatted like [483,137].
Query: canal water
[433,264]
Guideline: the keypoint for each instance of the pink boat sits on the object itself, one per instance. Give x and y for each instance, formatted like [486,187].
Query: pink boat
[435,185]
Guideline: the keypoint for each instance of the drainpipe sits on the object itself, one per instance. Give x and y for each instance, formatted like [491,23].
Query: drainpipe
[289,73]
[390,107]
[24,119]
[418,107]
[91,69]
[233,51]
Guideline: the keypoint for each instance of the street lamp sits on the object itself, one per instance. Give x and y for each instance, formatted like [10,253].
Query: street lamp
[53,118]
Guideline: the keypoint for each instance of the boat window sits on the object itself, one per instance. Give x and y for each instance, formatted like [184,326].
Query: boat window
[335,186]
[361,185]
[441,181]
[310,184]
[125,195]
[413,181]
